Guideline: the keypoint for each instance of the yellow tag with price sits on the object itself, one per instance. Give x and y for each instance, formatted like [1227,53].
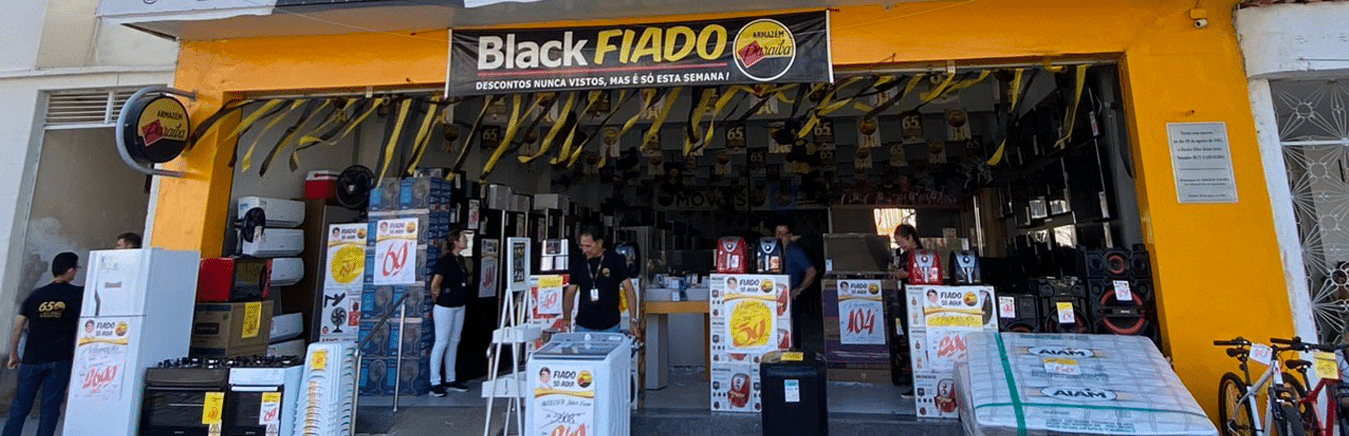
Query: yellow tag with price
[252,319]
[1325,365]
[792,356]
[212,407]
[319,360]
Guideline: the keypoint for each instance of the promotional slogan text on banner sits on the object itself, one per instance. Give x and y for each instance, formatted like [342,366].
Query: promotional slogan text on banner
[786,48]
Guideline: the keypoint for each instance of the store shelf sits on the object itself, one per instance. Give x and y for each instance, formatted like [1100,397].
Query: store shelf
[506,386]
[517,335]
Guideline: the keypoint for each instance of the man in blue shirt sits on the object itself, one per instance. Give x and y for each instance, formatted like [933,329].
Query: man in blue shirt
[801,274]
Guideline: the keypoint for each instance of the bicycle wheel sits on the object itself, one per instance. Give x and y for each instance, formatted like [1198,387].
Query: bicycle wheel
[1307,412]
[1234,418]
[1289,421]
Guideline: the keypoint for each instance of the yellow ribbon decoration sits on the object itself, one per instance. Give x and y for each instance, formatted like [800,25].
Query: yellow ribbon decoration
[248,155]
[720,106]
[826,109]
[281,145]
[591,98]
[393,139]
[698,112]
[512,126]
[547,141]
[653,133]
[1013,99]
[637,116]
[1071,118]
[252,118]
[423,137]
[311,139]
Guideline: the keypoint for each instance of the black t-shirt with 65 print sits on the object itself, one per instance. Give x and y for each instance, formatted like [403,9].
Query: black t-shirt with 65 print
[53,313]
[608,278]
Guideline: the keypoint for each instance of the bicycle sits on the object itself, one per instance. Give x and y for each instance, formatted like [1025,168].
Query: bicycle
[1237,409]
[1313,424]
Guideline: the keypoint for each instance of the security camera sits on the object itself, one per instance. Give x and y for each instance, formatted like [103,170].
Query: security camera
[1200,23]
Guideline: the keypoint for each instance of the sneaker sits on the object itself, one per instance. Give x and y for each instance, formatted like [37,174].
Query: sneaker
[456,386]
[438,391]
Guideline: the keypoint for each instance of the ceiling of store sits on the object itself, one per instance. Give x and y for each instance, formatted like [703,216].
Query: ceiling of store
[320,17]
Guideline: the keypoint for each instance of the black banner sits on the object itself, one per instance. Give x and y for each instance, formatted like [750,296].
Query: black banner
[782,48]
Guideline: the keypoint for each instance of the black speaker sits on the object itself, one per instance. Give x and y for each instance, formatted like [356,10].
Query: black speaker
[1117,264]
[1024,316]
[1081,322]
[1098,287]
[1139,263]
[1091,264]
[1058,287]
[1113,316]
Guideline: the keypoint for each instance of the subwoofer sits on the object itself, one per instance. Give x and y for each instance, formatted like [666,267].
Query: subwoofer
[1024,316]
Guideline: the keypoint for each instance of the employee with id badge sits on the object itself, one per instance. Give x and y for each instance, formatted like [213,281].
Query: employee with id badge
[598,277]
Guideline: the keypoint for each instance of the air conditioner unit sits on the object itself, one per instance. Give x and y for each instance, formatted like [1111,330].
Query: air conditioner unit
[286,271]
[280,213]
[275,243]
[287,326]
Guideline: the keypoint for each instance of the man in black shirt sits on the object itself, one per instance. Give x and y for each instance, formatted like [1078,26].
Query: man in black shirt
[52,313]
[598,277]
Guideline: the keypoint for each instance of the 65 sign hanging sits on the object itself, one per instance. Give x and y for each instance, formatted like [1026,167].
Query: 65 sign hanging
[786,48]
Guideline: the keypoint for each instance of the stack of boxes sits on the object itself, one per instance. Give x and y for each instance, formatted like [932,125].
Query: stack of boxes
[413,216]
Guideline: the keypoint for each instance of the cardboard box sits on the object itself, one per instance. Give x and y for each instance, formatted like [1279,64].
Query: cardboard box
[257,350]
[231,328]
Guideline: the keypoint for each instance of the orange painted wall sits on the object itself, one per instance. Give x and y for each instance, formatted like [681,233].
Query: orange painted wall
[1211,262]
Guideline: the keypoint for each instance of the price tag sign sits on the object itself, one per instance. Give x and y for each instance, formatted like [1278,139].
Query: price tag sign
[1062,366]
[1007,307]
[1122,291]
[792,356]
[1065,312]
[319,360]
[1261,353]
[1325,365]
[269,412]
[252,319]
[791,390]
[212,407]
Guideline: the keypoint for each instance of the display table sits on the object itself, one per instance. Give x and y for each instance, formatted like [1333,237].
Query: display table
[657,338]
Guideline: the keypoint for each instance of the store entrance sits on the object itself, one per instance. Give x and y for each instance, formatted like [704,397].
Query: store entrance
[1024,168]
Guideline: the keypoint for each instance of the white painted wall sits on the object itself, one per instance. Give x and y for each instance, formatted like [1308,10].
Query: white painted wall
[1289,41]
[1294,40]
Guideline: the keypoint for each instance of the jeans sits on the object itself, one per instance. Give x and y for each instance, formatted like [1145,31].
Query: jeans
[52,377]
[449,326]
[617,328]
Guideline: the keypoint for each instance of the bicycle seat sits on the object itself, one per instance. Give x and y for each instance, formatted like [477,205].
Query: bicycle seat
[1297,364]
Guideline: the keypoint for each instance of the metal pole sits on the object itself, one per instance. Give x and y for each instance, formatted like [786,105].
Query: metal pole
[398,362]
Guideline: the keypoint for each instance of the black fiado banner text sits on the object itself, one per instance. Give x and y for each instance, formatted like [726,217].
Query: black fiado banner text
[781,48]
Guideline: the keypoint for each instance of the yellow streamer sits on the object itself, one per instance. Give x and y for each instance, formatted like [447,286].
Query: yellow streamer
[1071,118]
[423,137]
[251,118]
[637,116]
[654,132]
[547,141]
[720,106]
[512,126]
[591,98]
[1015,91]
[311,139]
[393,139]
[248,155]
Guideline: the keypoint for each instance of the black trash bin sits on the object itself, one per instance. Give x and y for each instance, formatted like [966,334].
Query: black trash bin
[793,394]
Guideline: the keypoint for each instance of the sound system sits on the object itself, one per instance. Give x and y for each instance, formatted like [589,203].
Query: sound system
[1067,292]
[1023,316]
[1120,298]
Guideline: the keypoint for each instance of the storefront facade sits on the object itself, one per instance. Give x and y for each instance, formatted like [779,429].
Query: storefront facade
[1216,266]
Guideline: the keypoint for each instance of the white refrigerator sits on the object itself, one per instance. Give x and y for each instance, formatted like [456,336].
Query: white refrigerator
[137,312]
[579,385]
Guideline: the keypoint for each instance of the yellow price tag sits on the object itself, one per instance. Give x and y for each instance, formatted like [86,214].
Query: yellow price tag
[792,356]
[319,360]
[271,397]
[252,319]
[212,407]
[1325,365]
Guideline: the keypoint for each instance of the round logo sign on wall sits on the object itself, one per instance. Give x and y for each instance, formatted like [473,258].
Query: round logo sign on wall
[764,50]
[156,129]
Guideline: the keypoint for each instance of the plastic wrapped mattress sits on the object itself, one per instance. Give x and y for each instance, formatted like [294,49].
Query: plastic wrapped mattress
[1018,384]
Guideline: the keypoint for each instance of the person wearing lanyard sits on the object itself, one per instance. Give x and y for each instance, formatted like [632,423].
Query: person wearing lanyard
[449,291]
[598,277]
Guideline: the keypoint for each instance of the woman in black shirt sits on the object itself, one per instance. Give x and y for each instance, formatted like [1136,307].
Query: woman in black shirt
[449,290]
